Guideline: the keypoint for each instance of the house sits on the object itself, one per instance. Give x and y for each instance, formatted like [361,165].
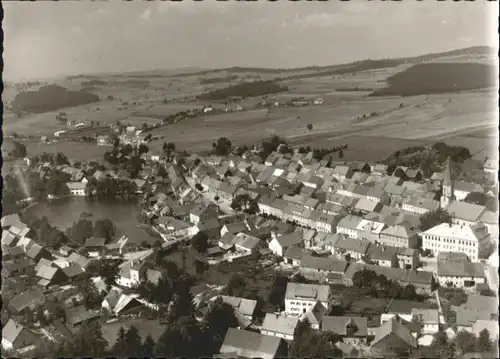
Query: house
[402,309]
[349,226]
[50,276]
[19,338]
[419,205]
[393,336]
[121,303]
[421,280]
[342,172]
[352,330]
[279,244]
[315,315]
[490,325]
[102,140]
[203,212]
[467,317]
[245,242]
[460,273]
[246,344]
[349,248]
[408,258]
[299,298]
[400,235]
[428,318]
[95,246]
[245,306]
[490,165]
[211,228]
[461,189]
[382,255]
[18,267]
[131,273]
[233,228]
[465,213]
[293,255]
[323,222]
[318,268]
[378,195]
[76,188]
[365,206]
[35,252]
[26,301]
[379,169]
[473,240]
[281,326]
[82,261]
[482,303]
[370,229]
[76,316]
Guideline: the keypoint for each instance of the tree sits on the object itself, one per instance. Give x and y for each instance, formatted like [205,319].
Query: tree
[81,230]
[484,342]
[19,150]
[409,292]
[222,146]
[148,347]
[433,218]
[235,285]
[199,267]
[88,341]
[143,149]
[199,187]
[278,289]
[216,198]
[341,154]
[89,292]
[133,341]
[200,242]
[309,127]
[181,305]
[104,228]
[218,320]
[478,198]
[465,342]
[245,203]
[119,346]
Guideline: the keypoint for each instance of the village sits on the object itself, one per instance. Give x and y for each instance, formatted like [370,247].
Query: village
[388,260]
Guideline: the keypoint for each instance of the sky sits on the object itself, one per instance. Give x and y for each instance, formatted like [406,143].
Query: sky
[46,39]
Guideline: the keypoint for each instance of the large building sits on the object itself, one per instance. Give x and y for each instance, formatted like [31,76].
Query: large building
[472,241]
[299,298]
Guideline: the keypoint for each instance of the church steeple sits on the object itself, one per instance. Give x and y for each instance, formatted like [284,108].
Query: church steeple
[448,189]
[447,181]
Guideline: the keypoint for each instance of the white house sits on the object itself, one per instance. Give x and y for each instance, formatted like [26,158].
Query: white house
[281,326]
[460,273]
[445,237]
[279,244]
[429,318]
[76,188]
[349,226]
[462,189]
[299,298]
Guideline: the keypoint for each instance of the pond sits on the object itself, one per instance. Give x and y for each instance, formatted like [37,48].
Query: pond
[62,213]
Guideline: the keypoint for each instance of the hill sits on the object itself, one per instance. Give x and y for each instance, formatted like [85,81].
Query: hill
[51,98]
[348,67]
[433,78]
[248,89]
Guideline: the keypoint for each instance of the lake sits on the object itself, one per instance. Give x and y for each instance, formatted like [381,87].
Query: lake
[62,213]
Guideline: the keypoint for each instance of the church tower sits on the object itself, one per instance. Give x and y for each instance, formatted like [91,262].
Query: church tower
[448,189]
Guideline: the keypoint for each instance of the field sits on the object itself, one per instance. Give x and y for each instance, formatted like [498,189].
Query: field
[372,127]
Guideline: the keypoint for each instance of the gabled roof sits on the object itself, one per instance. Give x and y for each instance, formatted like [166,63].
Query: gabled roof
[46,272]
[403,230]
[394,327]
[34,250]
[77,315]
[95,242]
[329,264]
[12,330]
[339,325]
[10,220]
[465,211]
[317,292]
[242,343]
[316,314]
[30,298]
[279,324]
[289,239]
[460,269]
[243,305]
[246,241]
[351,244]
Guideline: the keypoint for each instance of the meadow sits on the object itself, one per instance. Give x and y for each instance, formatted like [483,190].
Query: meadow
[372,127]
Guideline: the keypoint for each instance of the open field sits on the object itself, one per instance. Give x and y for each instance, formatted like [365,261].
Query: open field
[372,127]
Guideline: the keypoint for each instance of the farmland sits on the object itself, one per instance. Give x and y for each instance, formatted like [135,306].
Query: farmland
[371,126]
